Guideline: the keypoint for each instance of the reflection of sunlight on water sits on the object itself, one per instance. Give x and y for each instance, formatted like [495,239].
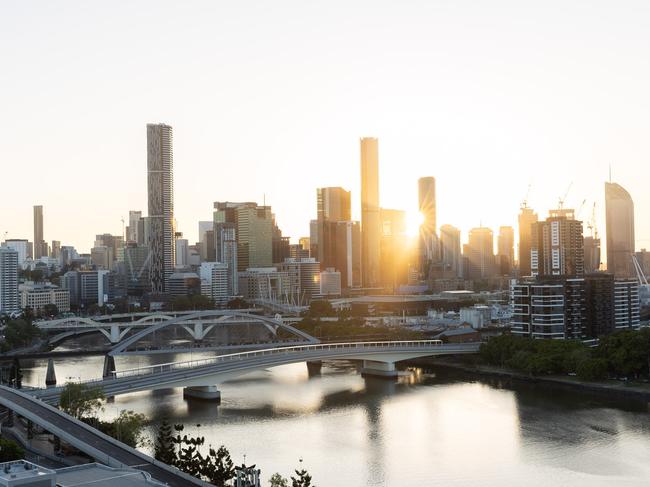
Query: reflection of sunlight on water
[426,429]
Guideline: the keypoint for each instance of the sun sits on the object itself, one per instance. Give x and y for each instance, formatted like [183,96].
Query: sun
[413,221]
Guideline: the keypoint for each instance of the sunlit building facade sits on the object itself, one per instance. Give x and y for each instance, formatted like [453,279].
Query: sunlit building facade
[370,224]
[619,220]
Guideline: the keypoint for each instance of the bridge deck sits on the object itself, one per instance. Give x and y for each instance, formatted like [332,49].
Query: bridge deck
[92,442]
[208,371]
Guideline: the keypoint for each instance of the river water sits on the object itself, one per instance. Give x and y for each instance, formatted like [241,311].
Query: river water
[432,427]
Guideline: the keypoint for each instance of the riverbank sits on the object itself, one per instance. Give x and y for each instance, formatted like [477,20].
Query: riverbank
[609,388]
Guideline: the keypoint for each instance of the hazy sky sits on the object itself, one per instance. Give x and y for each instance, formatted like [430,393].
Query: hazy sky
[272,97]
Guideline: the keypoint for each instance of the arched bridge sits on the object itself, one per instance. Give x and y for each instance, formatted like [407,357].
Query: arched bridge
[202,375]
[211,329]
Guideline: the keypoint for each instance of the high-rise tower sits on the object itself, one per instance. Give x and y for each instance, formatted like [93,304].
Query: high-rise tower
[526,219]
[619,221]
[160,186]
[370,211]
[38,232]
[428,230]
[557,245]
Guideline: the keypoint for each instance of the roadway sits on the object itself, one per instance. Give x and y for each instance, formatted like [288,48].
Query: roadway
[92,442]
[214,370]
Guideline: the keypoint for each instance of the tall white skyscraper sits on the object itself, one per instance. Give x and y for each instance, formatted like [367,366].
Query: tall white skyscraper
[160,186]
[9,301]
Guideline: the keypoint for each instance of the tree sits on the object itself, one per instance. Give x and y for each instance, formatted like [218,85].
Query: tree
[50,310]
[81,401]
[303,478]
[278,480]
[219,467]
[128,428]
[164,449]
[592,369]
[20,333]
[10,451]
[237,303]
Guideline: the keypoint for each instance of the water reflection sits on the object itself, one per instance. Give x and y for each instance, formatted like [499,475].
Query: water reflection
[430,428]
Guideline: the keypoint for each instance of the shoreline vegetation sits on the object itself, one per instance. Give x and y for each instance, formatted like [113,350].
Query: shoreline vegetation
[619,364]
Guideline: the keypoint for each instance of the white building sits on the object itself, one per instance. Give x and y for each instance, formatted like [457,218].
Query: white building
[479,316]
[182,252]
[265,283]
[330,282]
[214,282]
[304,278]
[21,246]
[9,301]
[37,295]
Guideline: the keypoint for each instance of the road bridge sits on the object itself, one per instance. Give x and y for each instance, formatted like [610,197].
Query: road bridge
[200,377]
[195,325]
[92,442]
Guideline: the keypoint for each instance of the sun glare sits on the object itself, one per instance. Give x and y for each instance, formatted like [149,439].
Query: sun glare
[413,221]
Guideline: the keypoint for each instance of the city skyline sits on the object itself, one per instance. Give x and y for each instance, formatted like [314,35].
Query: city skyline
[489,140]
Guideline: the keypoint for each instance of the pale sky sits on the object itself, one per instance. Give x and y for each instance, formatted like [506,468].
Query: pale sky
[271,98]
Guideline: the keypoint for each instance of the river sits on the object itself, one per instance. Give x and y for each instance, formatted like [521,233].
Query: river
[430,428]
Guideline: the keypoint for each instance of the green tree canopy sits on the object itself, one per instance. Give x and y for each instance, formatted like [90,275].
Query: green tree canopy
[81,401]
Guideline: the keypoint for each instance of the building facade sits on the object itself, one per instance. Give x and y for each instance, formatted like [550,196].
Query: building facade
[160,186]
[557,246]
[370,223]
[526,219]
[619,221]
[9,300]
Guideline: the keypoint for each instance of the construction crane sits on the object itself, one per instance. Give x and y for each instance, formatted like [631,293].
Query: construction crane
[644,287]
[579,210]
[562,199]
[591,225]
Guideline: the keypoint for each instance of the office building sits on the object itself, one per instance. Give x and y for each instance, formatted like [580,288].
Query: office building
[102,257]
[226,252]
[160,189]
[394,257]
[333,204]
[182,252]
[557,245]
[135,267]
[450,254]
[207,241]
[279,244]
[113,242]
[592,254]
[254,229]
[304,278]
[19,245]
[330,283]
[87,287]
[619,221]
[39,243]
[370,223]
[506,250]
[313,238]
[183,284]
[429,247]
[38,295]
[132,228]
[526,219]
[214,282]
[55,250]
[479,254]
[9,301]
[265,284]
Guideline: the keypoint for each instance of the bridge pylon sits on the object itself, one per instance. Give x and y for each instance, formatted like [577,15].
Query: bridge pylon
[204,393]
